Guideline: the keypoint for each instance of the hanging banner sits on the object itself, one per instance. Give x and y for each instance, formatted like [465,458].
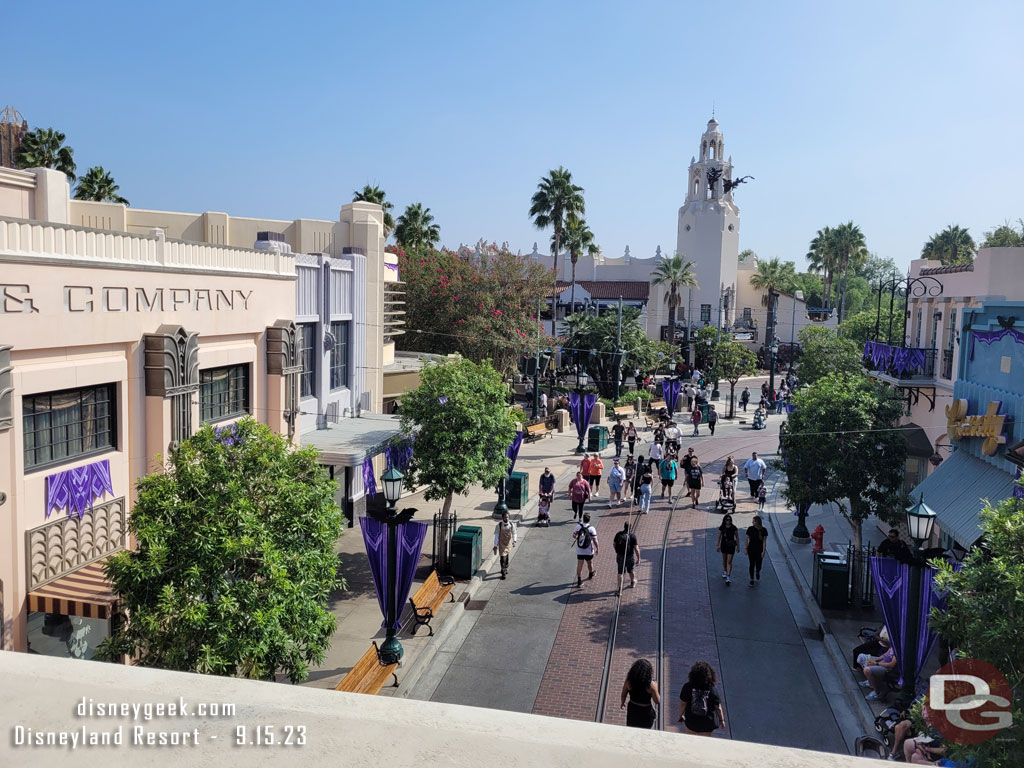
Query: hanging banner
[369,481]
[670,391]
[513,451]
[409,539]
[76,490]
[580,409]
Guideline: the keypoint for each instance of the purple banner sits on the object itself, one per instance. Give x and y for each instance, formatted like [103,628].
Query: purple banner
[670,391]
[393,267]
[369,481]
[409,543]
[76,490]
[892,584]
[399,454]
[886,357]
[513,452]
[580,409]
[990,337]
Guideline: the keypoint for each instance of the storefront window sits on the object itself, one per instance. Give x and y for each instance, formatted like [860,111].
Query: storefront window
[307,357]
[223,392]
[64,425]
[339,356]
[67,637]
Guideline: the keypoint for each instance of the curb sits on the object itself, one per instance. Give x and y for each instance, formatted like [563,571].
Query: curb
[835,653]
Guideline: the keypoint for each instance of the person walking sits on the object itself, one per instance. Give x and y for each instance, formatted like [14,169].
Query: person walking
[694,480]
[646,483]
[618,432]
[638,473]
[728,543]
[673,437]
[627,552]
[631,437]
[689,391]
[696,418]
[745,398]
[616,479]
[642,692]
[584,537]
[596,470]
[754,470]
[547,482]
[712,419]
[629,472]
[657,452]
[544,405]
[669,469]
[762,495]
[700,706]
[579,493]
[756,548]
[505,537]
[585,468]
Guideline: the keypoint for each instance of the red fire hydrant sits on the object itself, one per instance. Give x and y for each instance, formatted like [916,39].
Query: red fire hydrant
[818,534]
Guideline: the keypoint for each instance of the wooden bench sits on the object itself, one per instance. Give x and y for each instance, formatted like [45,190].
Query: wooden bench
[657,405]
[428,598]
[625,410]
[369,674]
[536,431]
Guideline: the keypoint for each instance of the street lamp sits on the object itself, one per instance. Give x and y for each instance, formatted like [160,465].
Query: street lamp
[581,382]
[800,534]
[391,650]
[920,521]
[799,296]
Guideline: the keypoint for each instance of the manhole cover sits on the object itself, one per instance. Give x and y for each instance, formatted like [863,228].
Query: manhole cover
[475,605]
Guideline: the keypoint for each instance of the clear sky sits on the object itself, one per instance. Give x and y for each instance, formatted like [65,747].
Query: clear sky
[902,116]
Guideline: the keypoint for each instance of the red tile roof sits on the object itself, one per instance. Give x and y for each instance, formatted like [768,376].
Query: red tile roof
[948,270]
[612,289]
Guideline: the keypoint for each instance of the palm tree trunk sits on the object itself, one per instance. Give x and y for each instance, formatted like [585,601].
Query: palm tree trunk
[672,320]
[572,288]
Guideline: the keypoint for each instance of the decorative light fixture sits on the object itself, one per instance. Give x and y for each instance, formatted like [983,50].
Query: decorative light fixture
[935,459]
[920,521]
[392,480]
[582,379]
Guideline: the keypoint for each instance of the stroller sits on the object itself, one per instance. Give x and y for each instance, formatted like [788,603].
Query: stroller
[759,419]
[544,510]
[727,499]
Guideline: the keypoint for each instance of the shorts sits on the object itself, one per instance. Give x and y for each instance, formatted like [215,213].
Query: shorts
[694,486]
[729,550]
[624,562]
[588,558]
[667,483]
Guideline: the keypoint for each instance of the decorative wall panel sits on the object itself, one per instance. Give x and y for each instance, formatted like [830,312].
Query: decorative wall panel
[67,543]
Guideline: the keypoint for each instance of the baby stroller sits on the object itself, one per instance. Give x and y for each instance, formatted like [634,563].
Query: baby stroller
[727,499]
[759,419]
[544,510]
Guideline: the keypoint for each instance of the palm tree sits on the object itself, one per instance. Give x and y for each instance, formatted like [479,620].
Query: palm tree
[821,258]
[850,252]
[676,273]
[44,148]
[98,185]
[577,238]
[556,198]
[771,277]
[377,195]
[953,245]
[416,228]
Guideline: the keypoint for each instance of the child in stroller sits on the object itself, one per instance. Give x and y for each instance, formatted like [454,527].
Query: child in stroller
[760,417]
[544,509]
[727,499]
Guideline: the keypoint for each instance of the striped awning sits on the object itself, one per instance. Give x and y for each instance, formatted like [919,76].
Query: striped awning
[85,592]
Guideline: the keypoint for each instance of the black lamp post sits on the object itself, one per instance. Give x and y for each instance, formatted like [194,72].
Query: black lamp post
[920,521]
[391,650]
[581,382]
[800,534]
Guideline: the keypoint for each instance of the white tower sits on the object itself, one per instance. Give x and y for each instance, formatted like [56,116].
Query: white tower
[709,229]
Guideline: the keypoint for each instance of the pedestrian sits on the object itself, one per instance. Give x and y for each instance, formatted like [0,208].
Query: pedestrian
[712,419]
[672,437]
[696,418]
[505,537]
[780,399]
[579,493]
[629,471]
[728,543]
[756,548]
[585,467]
[616,479]
[547,482]
[631,437]
[646,483]
[656,452]
[754,470]
[638,473]
[700,707]
[584,537]
[894,546]
[642,691]
[618,432]
[689,392]
[544,404]
[596,470]
[659,435]
[745,398]
[689,457]
[764,389]
[695,480]
[627,552]
[762,494]
[669,468]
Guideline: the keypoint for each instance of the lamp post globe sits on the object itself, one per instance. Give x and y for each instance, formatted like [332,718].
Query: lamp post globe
[391,650]
[920,521]
[392,480]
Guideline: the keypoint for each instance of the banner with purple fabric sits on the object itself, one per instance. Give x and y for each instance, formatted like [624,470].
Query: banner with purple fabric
[399,453]
[409,539]
[580,409]
[670,391]
[369,481]
[513,451]
[410,543]
[892,585]
[77,490]
[375,537]
[990,337]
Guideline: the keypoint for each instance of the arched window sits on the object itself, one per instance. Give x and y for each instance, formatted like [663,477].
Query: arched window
[711,151]
[703,150]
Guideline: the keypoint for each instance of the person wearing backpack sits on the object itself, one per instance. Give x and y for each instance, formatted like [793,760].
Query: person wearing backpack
[646,477]
[627,552]
[669,468]
[579,492]
[584,538]
[700,707]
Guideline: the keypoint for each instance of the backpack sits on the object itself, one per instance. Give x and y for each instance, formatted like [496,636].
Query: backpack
[699,702]
[620,542]
[583,536]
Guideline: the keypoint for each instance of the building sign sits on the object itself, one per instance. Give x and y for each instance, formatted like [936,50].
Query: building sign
[17,299]
[989,426]
[742,335]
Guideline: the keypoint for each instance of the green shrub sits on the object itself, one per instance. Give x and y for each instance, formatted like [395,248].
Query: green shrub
[631,397]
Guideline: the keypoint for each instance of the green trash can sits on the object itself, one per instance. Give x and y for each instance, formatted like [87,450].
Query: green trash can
[597,439]
[517,490]
[704,408]
[467,551]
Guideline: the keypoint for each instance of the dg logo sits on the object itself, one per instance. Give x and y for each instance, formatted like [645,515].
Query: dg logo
[970,701]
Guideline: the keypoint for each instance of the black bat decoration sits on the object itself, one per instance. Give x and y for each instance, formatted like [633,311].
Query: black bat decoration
[1007,322]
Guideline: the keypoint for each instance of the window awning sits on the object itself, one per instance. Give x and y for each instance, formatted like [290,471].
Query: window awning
[918,443]
[349,442]
[85,592]
[956,490]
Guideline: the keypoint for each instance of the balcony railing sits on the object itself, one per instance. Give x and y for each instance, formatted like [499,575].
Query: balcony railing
[394,314]
[947,364]
[899,362]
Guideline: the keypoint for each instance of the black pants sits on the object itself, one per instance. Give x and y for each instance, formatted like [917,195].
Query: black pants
[744,404]
[504,564]
[756,559]
[577,509]
[754,484]
[618,448]
[632,445]
[711,426]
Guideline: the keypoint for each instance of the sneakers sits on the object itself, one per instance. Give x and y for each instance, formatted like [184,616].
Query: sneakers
[725,575]
[751,582]
[728,580]
[864,684]
[579,582]
[503,576]
[872,696]
[591,575]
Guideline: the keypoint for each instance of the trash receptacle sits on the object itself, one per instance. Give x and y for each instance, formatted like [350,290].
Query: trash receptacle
[597,439]
[467,551]
[831,581]
[517,490]
[704,408]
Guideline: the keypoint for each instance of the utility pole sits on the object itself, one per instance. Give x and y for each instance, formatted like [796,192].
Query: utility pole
[536,374]
[618,352]
[772,346]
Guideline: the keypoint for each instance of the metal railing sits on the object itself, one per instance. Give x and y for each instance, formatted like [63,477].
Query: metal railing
[394,314]
[899,362]
[859,569]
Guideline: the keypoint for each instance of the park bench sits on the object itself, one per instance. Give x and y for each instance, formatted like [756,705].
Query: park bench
[625,411]
[653,416]
[656,406]
[369,674]
[536,431]
[428,598]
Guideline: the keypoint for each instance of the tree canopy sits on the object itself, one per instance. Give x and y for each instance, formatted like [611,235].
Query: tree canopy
[822,352]
[674,273]
[731,360]
[952,246]
[1005,236]
[415,229]
[234,559]
[773,275]
[45,148]
[374,194]
[98,185]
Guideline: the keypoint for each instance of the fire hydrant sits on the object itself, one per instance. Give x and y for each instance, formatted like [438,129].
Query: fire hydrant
[818,534]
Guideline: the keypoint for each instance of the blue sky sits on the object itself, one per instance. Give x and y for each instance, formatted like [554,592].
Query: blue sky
[903,117]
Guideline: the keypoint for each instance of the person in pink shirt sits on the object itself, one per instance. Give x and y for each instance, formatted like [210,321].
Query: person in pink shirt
[696,417]
[579,493]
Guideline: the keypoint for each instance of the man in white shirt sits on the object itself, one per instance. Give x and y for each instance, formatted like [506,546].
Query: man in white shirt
[755,470]
[656,451]
[505,537]
[585,538]
[544,404]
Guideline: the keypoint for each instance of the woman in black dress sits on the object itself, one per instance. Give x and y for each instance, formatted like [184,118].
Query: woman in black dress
[700,707]
[728,543]
[642,691]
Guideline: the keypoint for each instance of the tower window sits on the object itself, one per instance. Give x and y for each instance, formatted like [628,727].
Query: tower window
[705,313]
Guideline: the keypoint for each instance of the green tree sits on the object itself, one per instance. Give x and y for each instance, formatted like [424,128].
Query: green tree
[44,148]
[595,338]
[840,446]
[1005,236]
[811,285]
[577,239]
[459,414]
[98,185]
[771,277]
[822,258]
[746,256]
[850,254]
[985,601]
[952,246]
[415,229]
[822,352]
[374,194]
[730,361]
[676,273]
[234,559]
[555,200]
[875,268]
[861,326]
